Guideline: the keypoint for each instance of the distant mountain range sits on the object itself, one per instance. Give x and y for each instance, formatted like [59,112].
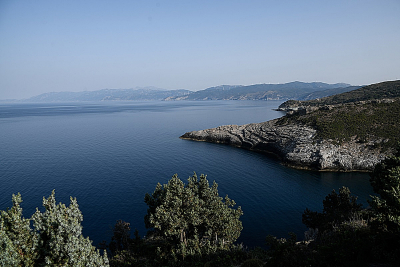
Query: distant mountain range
[293,90]
[144,93]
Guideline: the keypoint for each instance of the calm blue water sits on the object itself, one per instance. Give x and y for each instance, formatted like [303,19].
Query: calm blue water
[108,155]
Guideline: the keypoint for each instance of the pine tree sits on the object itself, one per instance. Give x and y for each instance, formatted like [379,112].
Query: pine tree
[385,181]
[337,209]
[17,240]
[192,218]
[60,240]
[56,239]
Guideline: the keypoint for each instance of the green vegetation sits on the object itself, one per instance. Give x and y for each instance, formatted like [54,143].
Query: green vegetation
[191,225]
[338,208]
[346,235]
[384,90]
[368,114]
[385,181]
[377,122]
[192,219]
[17,241]
[55,240]
[327,92]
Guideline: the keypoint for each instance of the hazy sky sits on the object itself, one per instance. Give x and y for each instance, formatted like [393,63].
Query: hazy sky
[89,45]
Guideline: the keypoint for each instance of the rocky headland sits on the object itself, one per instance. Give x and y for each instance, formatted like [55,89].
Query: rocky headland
[296,145]
[339,133]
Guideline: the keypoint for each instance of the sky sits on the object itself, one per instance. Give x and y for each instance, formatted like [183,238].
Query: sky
[51,46]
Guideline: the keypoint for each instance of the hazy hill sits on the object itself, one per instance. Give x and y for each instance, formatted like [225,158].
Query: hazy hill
[327,92]
[146,93]
[292,90]
[384,90]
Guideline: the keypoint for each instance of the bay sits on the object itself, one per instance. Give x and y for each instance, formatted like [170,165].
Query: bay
[110,154]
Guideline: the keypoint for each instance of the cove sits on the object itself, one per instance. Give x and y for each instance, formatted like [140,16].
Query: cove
[109,154]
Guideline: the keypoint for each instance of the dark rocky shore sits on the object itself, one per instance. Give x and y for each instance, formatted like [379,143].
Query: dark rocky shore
[296,145]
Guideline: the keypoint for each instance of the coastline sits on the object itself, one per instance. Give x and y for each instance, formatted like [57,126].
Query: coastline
[296,146]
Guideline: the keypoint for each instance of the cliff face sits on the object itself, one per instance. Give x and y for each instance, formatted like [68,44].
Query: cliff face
[296,145]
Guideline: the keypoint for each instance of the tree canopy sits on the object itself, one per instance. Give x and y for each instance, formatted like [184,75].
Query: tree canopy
[337,209]
[192,217]
[56,239]
[385,181]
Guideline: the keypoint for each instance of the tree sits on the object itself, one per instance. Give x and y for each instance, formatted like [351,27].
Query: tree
[9,255]
[193,218]
[17,240]
[120,240]
[60,240]
[337,209]
[56,239]
[385,181]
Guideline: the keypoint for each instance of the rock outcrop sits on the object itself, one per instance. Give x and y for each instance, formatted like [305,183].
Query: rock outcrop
[296,145]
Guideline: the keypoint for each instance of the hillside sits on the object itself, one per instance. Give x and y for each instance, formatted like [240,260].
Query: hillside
[378,91]
[292,90]
[377,122]
[370,113]
[327,92]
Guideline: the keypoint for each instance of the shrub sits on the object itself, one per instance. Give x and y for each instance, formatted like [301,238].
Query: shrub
[55,240]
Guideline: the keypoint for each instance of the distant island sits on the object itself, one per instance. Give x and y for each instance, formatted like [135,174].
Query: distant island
[351,131]
[286,91]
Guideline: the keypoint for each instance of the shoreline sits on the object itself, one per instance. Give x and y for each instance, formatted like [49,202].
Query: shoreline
[295,146]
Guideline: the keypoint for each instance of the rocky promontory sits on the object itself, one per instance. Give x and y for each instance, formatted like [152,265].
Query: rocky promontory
[296,145]
[352,131]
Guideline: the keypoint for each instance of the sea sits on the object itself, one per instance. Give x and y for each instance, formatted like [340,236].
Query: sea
[108,155]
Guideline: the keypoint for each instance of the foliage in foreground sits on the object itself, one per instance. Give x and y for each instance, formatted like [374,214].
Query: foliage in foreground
[192,219]
[345,235]
[385,181]
[338,208]
[184,219]
[149,252]
[190,225]
[55,239]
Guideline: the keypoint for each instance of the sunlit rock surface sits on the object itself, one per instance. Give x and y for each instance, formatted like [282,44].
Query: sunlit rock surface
[296,145]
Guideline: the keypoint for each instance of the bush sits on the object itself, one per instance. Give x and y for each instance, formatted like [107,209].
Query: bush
[252,263]
[337,209]
[385,181]
[55,240]
[192,219]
